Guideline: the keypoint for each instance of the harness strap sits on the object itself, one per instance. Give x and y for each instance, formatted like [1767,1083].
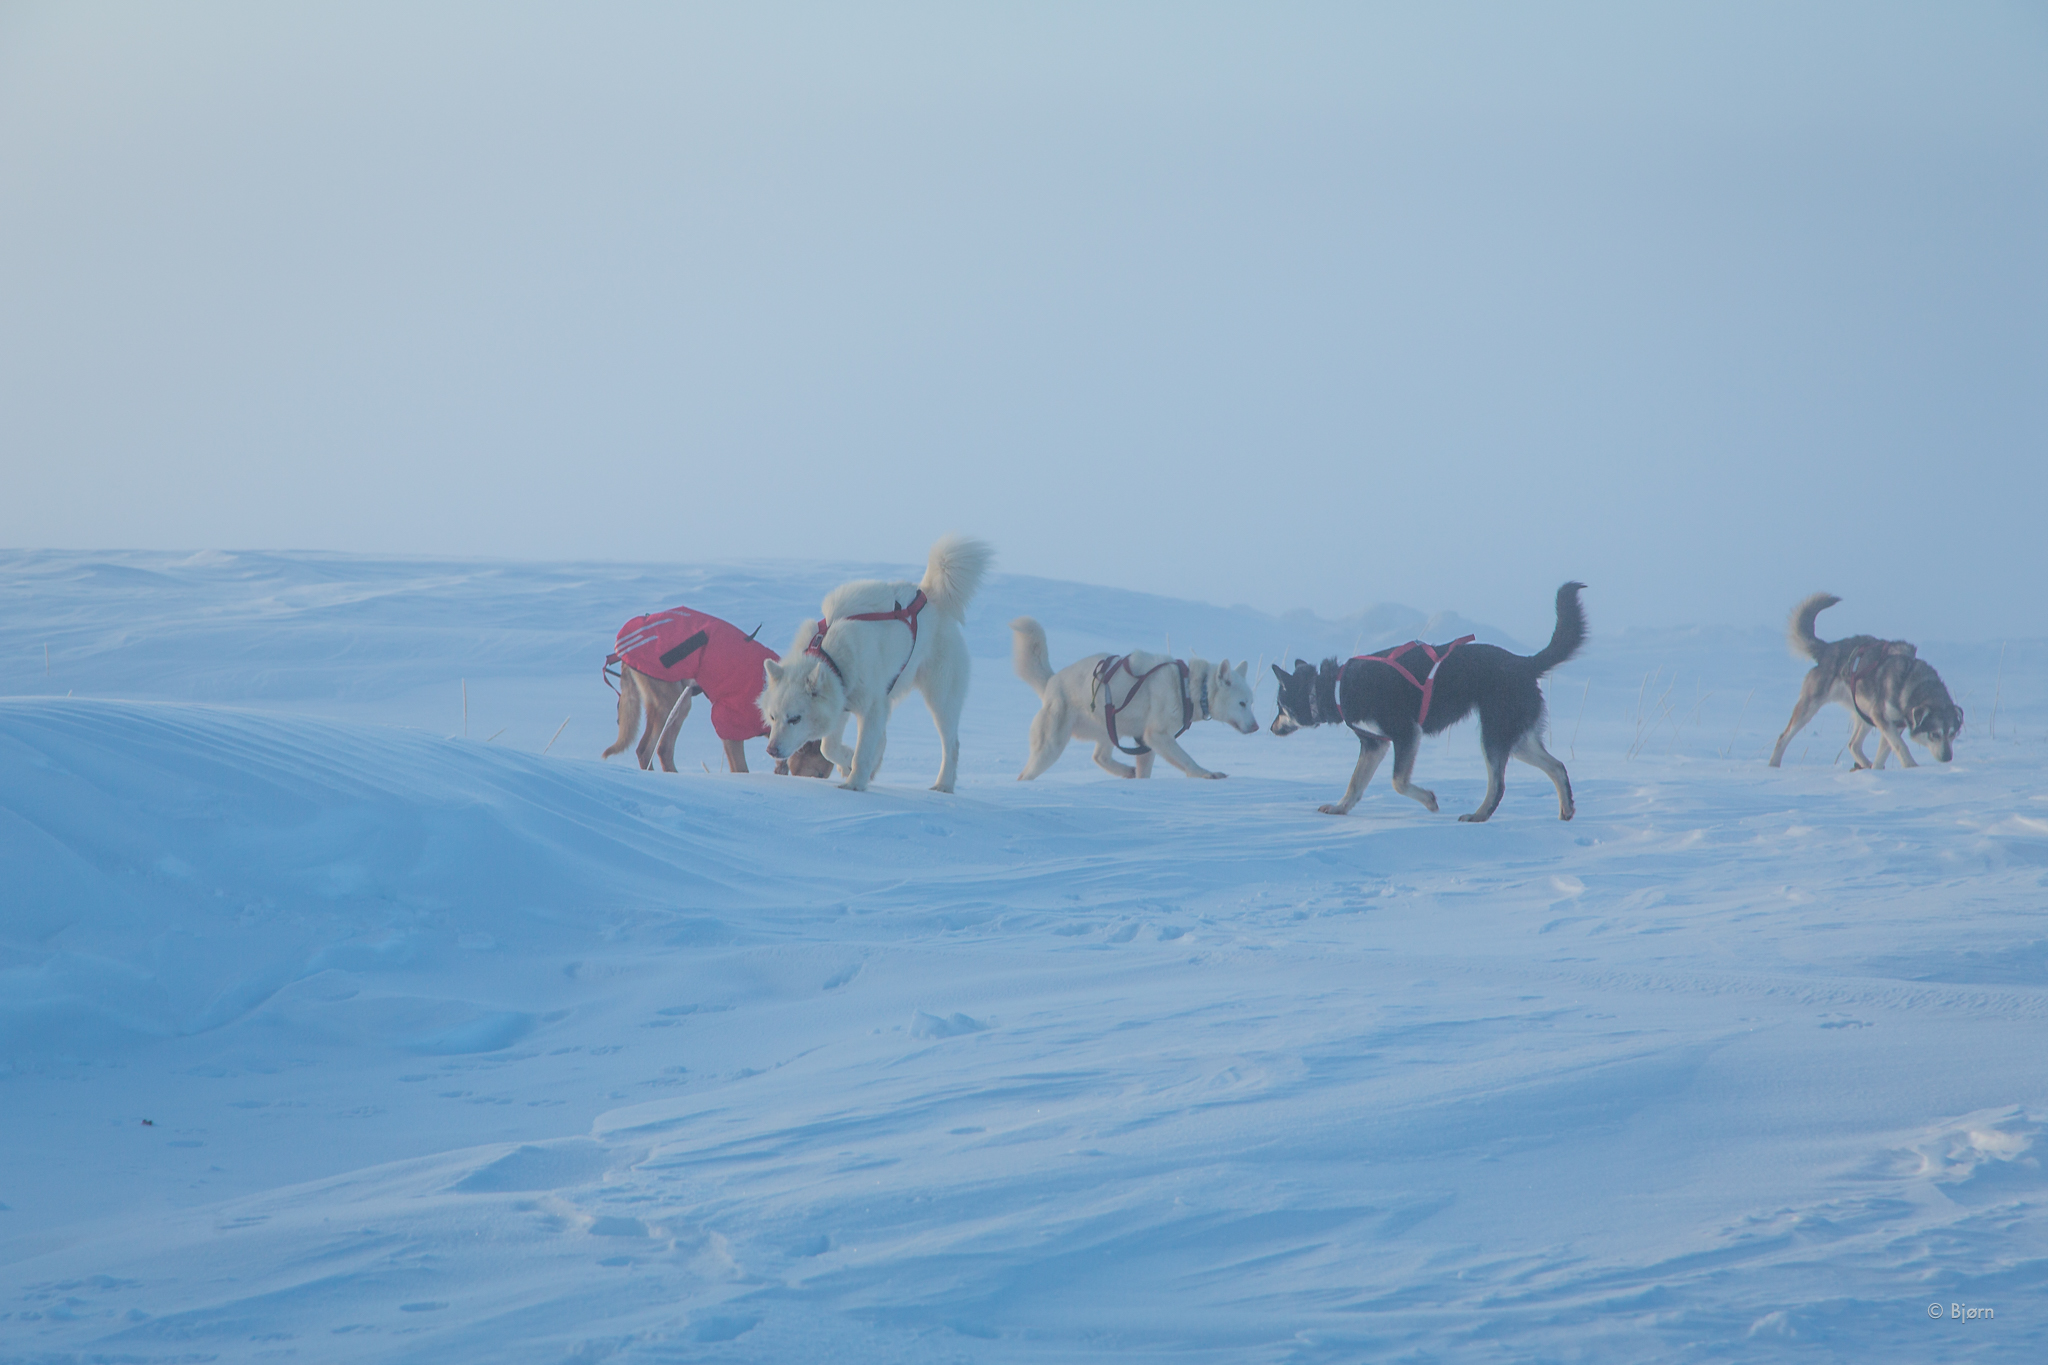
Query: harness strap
[1426,685]
[671,657]
[907,615]
[1865,661]
[1107,669]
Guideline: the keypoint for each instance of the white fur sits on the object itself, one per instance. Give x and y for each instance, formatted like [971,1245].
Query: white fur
[1072,706]
[805,700]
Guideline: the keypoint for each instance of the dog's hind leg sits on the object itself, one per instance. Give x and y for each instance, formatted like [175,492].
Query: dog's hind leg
[1531,751]
[736,756]
[1051,729]
[870,738]
[1496,777]
[1407,748]
[663,725]
[950,687]
[1106,759]
[1812,696]
[1371,749]
[1142,763]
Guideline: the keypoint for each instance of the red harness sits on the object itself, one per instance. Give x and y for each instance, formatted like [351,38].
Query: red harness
[1106,670]
[1426,684]
[907,615]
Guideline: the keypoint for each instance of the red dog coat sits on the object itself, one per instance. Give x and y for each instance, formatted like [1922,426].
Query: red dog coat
[687,646]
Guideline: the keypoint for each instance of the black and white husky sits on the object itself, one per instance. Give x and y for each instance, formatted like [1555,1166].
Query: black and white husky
[1399,695]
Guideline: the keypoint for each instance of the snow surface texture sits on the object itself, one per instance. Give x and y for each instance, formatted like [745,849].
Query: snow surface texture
[327,1039]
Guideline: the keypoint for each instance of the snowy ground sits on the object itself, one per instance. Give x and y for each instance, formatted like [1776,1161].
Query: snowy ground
[327,1034]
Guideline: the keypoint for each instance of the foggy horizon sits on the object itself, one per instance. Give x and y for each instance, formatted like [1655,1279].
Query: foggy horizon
[1308,308]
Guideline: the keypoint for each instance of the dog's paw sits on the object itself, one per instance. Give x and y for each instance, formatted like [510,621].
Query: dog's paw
[1471,817]
[1215,777]
[1332,810]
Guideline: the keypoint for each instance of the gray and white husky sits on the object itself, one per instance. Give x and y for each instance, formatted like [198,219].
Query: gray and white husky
[1885,684]
[876,643]
[1150,699]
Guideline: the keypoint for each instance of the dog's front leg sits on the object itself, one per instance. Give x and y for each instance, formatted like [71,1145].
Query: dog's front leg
[1371,749]
[1169,748]
[1890,735]
[1406,750]
[1143,763]
[1856,734]
[871,736]
[833,747]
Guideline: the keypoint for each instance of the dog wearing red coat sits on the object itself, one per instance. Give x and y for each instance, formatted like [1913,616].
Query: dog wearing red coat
[665,660]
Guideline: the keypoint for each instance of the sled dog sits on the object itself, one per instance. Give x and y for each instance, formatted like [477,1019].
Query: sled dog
[1885,684]
[667,658]
[875,642]
[1398,695]
[1150,698]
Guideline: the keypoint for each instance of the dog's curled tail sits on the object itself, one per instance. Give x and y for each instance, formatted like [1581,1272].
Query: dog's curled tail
[1028,653]
[1569,634]
[953,573]
[1799,630]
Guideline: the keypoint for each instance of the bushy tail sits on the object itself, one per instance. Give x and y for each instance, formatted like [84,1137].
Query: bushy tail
[1570,632]
[953,573]
[1028,653]
[1799,630]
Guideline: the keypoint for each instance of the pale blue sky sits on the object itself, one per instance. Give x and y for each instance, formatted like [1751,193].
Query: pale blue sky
[1710,305]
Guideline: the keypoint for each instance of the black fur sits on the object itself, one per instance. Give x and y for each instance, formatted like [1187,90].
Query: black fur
[1372,697]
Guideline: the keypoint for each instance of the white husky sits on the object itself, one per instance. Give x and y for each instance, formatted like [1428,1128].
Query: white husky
[1147,698]
[875,643]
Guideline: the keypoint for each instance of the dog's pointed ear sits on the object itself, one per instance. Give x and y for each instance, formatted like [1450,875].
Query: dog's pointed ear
[1223,668]
[812,679]
[1281,676]
[1300,664]
[773,668]
[1242,669]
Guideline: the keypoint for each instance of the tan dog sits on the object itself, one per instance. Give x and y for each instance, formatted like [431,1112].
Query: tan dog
[1147,698]
[666,706]
[1885,685]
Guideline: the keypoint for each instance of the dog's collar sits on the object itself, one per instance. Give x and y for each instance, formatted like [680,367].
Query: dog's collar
[1329,712]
